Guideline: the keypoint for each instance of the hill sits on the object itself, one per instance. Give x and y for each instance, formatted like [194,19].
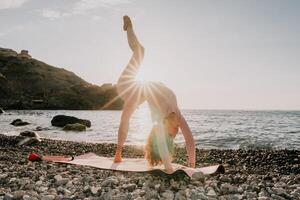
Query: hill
[27,83]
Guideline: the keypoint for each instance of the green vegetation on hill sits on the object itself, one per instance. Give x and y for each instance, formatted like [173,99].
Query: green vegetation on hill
[26,83]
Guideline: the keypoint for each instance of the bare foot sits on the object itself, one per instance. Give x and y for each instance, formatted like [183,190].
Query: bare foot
[127,22]
[118,158]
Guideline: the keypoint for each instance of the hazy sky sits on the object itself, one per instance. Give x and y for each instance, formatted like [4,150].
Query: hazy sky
[213,54]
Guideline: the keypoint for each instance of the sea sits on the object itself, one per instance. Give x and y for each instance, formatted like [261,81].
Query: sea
[211,129]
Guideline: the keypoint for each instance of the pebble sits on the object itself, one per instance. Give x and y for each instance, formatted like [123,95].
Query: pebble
[8,196]
[152,194]
[168,194]
[62,181]
[110,181]
[199,176]
[278,191]
[130,187]
[48,197]
[250,195]
[94,190]
[18,194]
[228,189]
[32,181]
[211,193]
[57,177]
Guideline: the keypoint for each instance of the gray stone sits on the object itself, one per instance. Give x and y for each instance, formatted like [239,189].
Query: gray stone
[38,183]
[211,193]
[69,184]
[62,181]
[264,198]
[130,187]
[42,189]
[57,177]
[180,195]
[250,195]
[228,189]
[152,194]
[3,176]
[157,187]
[48,197]
[74,127]
[8,196]
[168,194]
[12,180]
[198,196]
[27,197]
[94,190]
[277,197]
[278,191]
[19,194]
[199,176]
[110,181]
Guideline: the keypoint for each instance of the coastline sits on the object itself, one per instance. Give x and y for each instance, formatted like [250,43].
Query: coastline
[256,174]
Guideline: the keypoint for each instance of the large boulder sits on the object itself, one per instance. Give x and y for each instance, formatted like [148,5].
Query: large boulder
[63,120]
[19,122]
[74,127]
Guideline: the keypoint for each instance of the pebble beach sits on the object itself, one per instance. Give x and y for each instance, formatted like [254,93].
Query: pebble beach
[250,174]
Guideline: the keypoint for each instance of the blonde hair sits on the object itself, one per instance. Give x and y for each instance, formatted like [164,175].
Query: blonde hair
[151,149]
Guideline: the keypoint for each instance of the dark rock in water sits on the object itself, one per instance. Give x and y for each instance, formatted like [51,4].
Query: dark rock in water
[1,110]
[74,127]
[29,134]
[63,120]
[19,122]
[39,128]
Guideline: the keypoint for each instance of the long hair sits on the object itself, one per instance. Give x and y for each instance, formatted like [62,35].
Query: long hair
[152,154]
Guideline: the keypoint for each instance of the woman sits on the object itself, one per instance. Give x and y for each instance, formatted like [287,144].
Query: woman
[165,113]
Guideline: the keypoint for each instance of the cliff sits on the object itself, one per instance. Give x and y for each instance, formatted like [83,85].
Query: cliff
[27,83]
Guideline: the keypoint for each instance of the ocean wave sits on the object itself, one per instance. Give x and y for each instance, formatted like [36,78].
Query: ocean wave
[257,145]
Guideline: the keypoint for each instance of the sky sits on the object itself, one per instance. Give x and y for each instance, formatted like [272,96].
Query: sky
[213,54]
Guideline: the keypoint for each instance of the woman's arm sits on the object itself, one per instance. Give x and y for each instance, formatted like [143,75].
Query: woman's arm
[189,141]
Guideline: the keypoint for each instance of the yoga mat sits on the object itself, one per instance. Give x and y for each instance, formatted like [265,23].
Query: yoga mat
[137,165]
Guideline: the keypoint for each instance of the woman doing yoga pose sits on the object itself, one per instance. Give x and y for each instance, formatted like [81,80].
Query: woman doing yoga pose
[165,113]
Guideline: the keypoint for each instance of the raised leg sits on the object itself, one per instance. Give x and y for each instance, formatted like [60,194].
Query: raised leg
[127,84]
[128,89]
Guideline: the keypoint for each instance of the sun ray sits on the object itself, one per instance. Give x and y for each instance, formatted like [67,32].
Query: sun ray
[154,87]
[118,96]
